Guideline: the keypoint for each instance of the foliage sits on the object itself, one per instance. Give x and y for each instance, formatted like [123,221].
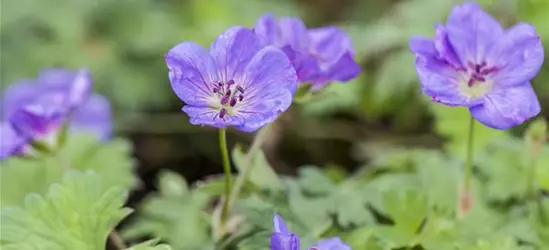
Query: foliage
[81,152]
[397,198]
[79,213]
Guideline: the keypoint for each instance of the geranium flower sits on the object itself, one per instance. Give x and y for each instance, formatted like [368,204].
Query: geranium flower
[284,239]
[239,82]
[475,63]
[35,110]
[319,55]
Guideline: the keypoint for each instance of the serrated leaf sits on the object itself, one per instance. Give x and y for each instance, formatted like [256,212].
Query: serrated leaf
[385,183]
[407,208]
[176,216]
[261,172]
[362,238]
[350,207]
[150,245]
[258,241]
[312,180]
[312,212]
[503,163]
[439,179]
[112,160]
[79,213]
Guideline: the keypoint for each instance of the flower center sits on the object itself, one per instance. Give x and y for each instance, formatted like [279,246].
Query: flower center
[230,94]
[477,79]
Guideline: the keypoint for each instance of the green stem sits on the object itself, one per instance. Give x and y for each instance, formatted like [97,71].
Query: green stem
[227,170]
[469,159]
[241,179]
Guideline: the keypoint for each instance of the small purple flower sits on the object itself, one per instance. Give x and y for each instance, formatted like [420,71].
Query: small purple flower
[283,239]
[474,62]
[319,55]
[240,82]
[36,109]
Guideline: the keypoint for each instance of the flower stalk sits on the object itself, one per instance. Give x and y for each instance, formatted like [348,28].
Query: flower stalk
[465,197]
[227,171]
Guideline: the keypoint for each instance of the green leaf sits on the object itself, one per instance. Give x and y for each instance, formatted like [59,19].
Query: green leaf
[362,238]
[79,213]
[503,163]
[175,215]
[172,184]
[261,172]
[407,208]
[258,241]
[112,160]
[312,180]
[386,183]
[311,212]
[434,170]
[150,245]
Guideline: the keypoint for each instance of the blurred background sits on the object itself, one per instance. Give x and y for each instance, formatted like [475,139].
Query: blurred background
[123,43]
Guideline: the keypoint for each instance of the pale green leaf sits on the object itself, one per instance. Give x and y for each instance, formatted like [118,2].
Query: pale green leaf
[112,160]
[150,245]
[79,213]
[261,172]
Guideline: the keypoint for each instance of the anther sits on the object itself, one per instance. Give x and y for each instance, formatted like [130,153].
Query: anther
[225,99]
[233,102]
[470,82]
[240,98]
[222,113]
[239,88]
[478,77]
[228,92]
[488,70]
[230,82]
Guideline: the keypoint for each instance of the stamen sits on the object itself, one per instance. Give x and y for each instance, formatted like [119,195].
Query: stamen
[225,99]
[230,82]
[222,113]
[478,77]
[471,82]
[239,88]
[488,70]
[240,98]
[233,102]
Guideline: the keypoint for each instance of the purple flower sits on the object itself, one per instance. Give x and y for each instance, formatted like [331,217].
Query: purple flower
[240,82]
[283,239]
[36,109]
[319,55]
[474,62]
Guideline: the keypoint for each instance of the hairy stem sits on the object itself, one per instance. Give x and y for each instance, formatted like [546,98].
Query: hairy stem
[465,196]
[469,158]
[227,171]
